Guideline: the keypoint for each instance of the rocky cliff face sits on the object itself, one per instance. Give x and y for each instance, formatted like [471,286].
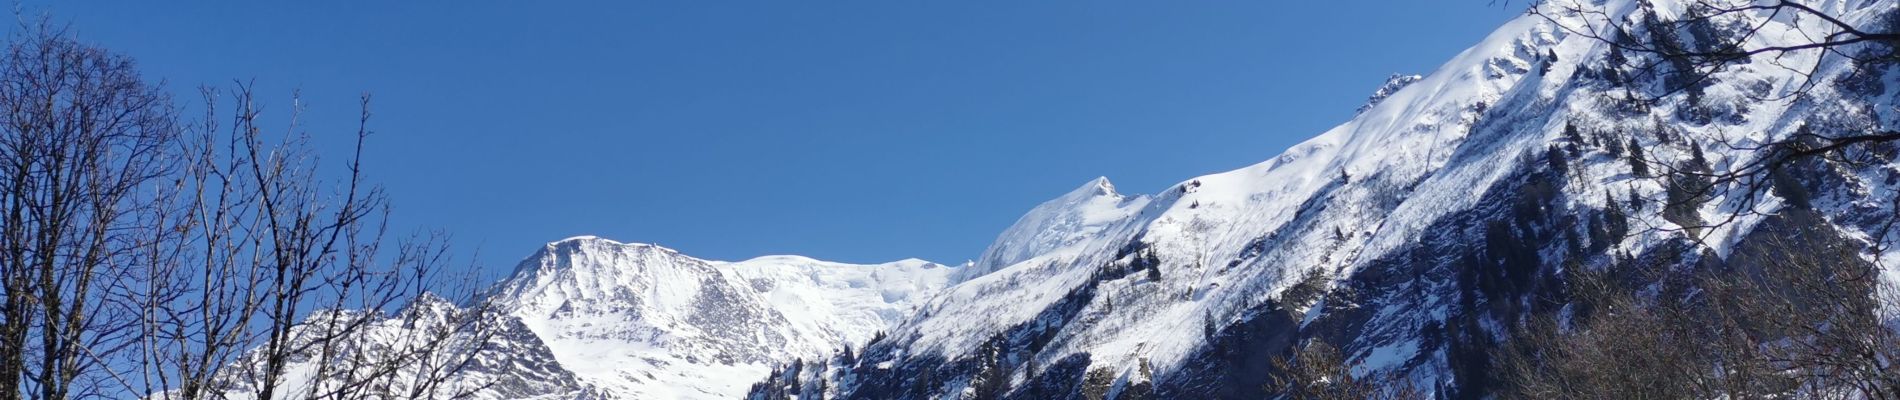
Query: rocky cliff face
[644,321]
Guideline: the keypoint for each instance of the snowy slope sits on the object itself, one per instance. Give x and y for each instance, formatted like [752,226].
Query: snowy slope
[428,349]
[1209,220]
[643,321]
[1409,236]
[1084,214]
[1370,221]
[591,318]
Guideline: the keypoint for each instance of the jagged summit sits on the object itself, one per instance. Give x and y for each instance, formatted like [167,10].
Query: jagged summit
[587,251]
[591,241]
[645,321]
[580,238]
[1100,186]
[1066,220]
[555,254]
[1392,85]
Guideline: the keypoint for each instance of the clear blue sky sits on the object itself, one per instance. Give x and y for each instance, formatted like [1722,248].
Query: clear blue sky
[859,131]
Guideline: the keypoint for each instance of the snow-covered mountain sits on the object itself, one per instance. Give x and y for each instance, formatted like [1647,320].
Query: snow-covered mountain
[1411,237]
[1082,215]
[643,321]
[591,318]
[431,348]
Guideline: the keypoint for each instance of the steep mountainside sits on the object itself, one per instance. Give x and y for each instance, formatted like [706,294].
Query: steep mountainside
[1417,238]
[642,321]
[1412,236]
[428,349]
[590,318]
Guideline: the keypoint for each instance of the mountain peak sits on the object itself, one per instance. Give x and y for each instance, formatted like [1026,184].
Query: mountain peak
[583,238]
[1100,186]
[597,241]
[1392,85]
[591,242]
[1071,218]
[604,307]
[560,254]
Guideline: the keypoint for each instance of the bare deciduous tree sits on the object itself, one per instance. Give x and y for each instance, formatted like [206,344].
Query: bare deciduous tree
[145,256]
[1685,64]
[1789,318]
[272,268]
[1808,316]
[84,136]
[1316,371]
[1724,33]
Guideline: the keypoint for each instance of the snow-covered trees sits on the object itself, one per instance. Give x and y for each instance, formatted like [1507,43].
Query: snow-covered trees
[1316,371]
[991,380]
[1639,164]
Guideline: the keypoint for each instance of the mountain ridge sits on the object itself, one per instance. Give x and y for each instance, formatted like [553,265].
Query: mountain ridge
[1409,236]
[1414,238]
[620,313]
